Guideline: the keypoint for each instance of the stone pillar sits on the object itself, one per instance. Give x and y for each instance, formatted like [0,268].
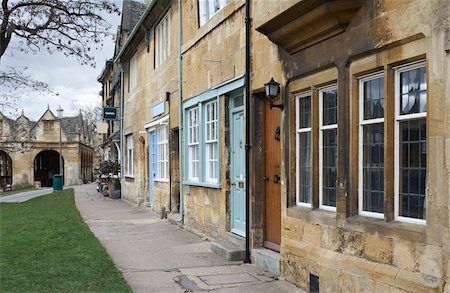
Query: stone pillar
[343,121]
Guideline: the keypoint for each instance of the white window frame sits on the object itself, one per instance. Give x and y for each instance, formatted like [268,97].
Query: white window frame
[162,39]
[130,155]
[206,9]
[321,129]
[299,130]
[362,123]
[193,144]
[162,146]
[133,72]
[211,175]
[399,118]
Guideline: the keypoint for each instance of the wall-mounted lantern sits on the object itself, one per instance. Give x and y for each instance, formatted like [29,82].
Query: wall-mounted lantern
[272,90]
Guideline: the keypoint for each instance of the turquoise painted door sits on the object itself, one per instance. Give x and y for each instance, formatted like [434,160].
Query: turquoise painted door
[152,162]
[237,173]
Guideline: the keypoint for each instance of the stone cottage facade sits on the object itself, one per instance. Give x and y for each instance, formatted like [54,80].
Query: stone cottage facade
[365,141]
[29,150]
[149,62]
[110,78]
[348,167]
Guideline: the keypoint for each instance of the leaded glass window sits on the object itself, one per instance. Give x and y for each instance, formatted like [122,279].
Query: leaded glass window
[413,168]
[328,153]
[303,141]
[371,156]
[411,143]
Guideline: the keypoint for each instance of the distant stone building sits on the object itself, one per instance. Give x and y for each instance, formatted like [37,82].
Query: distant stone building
[111,82]
[29,150]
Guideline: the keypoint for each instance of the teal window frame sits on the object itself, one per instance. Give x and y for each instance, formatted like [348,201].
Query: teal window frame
[200,101]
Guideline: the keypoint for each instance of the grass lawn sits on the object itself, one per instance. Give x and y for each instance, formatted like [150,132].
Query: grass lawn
[46,247]
[4,193]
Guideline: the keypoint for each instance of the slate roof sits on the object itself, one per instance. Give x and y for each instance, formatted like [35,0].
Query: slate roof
[10,121]
[131,12]
[72,124]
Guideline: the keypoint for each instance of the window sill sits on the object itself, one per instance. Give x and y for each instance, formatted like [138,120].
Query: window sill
[203,184]
[406,231]
[161,180]
[394,229]
[316,216]
[129,178]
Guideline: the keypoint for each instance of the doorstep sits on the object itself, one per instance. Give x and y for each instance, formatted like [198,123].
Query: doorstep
[231,248]
[266,259]
[174,218]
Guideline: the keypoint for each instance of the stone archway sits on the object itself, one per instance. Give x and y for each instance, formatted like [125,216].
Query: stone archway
[46,164]
[5,171]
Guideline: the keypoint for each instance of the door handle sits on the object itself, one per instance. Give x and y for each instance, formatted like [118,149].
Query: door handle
[265,178]
[233,184]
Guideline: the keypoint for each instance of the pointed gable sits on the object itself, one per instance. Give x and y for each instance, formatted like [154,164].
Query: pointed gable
[22,127]
[48,115]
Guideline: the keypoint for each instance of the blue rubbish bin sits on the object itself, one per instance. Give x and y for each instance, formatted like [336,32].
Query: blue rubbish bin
[57,182]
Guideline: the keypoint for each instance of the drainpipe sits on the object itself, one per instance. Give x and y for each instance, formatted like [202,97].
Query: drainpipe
[180,113]
[121,130]
[247,131]
[170,156]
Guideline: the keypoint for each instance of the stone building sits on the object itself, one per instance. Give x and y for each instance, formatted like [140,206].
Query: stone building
[364,151]
[149,60]
[29,150]
[349,187]
[111,80]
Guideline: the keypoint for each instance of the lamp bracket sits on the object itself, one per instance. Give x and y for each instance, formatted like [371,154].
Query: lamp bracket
[281,107]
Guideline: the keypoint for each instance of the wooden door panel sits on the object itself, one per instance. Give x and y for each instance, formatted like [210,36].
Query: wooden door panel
[272,168]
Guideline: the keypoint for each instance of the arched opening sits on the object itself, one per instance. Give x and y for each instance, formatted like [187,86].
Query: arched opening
[46,164]
[5,171]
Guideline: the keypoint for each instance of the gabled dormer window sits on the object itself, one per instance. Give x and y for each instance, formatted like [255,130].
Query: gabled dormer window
[48,126]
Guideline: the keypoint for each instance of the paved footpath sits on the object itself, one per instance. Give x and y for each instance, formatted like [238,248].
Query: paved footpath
[24,196]
[157,256]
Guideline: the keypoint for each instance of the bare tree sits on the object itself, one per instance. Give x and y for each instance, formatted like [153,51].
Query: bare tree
[71,27]
[92,113]
[14,83]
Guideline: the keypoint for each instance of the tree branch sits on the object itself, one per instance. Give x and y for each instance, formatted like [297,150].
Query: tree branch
[70,27]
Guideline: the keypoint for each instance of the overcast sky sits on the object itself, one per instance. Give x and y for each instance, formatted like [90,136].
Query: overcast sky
[64,75]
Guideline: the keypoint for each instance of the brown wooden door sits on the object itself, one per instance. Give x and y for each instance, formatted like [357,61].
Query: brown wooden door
[272,171]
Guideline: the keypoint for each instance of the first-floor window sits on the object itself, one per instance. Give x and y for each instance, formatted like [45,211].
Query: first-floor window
[328,148]
[211,142]
[411,143]
[163,156]
[371,151]
[303,142]
[208,8]
[162,40]
[133,74]
[193,143]
[130,155]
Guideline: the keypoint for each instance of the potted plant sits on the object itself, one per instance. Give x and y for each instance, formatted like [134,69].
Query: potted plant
[110,173]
